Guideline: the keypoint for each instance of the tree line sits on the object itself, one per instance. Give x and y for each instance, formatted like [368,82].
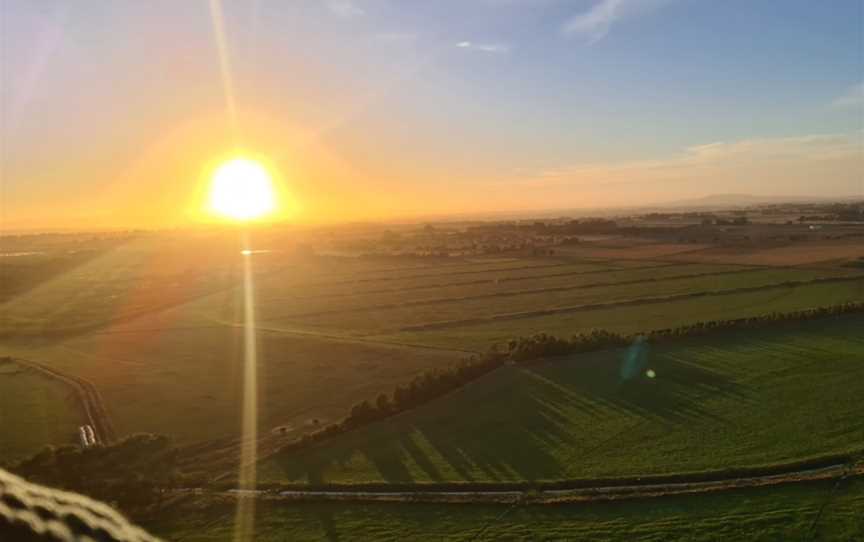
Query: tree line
[130,473]
[522,350]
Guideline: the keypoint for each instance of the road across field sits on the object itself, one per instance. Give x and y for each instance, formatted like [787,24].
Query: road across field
[562,493]
[88,396]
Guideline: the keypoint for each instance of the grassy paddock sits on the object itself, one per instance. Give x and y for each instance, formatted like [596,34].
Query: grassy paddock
[77,288]
[780,513]
[554,280]
[466,309]
[187,382]
[632,319]
[34,411]
[741,398]
[276,290]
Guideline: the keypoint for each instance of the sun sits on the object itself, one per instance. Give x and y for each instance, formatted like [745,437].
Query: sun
[242,189]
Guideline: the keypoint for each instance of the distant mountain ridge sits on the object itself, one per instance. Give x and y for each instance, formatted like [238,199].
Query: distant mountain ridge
[742,200]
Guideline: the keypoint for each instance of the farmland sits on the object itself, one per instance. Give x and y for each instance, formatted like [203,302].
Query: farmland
[741,398]
[639,317]
[153,321]
[147,378]
[155,324]
[34,410]
[467,309]
[784,513]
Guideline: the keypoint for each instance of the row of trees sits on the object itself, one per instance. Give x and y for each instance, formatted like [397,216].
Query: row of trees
[423,388]
[699,328]
[855,263]
[432,384]
[130,473]
[542,345]
[525,349]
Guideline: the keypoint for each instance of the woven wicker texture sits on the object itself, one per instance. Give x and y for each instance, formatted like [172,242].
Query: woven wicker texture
[32,512]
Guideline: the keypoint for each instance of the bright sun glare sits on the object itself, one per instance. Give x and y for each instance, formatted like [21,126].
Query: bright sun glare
[242,189]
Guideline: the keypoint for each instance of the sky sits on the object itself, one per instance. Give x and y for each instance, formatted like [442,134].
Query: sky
[114,113]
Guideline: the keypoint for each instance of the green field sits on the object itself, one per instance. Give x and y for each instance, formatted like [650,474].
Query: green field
[157,331]
[376,295]
[176,368]
[34,410]
[407,284]
[635,318]
[784,513]
[186,382]
[376,319]
[742,398]
[328,327]
[126,280]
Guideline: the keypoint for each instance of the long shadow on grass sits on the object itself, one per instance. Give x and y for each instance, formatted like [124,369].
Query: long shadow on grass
[544,420]
[522,423]
[326,519]
[661,387]
[27,275]
[507,447]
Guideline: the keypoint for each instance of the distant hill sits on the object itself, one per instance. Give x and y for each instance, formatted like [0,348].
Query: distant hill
[743,200]
[711,202]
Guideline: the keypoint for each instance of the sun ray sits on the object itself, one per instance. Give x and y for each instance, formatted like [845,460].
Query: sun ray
[244,526]
[224,65]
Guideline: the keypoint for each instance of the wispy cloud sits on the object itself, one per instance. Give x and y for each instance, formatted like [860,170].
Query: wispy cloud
[854,97]
[496,48]
[594,24]
[802,164]
[345,8]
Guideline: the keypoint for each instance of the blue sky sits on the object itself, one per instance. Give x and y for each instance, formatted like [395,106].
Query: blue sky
[385,107]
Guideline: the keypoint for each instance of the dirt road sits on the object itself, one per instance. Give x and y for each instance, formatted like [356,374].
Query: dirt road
[88,395]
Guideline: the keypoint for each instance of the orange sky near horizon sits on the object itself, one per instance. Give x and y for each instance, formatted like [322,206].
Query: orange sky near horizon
[114,115]
[166,183]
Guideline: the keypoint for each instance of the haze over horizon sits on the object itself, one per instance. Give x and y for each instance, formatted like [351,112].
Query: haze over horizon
[113,113]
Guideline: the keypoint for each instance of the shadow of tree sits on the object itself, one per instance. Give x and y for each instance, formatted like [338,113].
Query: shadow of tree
[674,393]
[325,517]
[524,423]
